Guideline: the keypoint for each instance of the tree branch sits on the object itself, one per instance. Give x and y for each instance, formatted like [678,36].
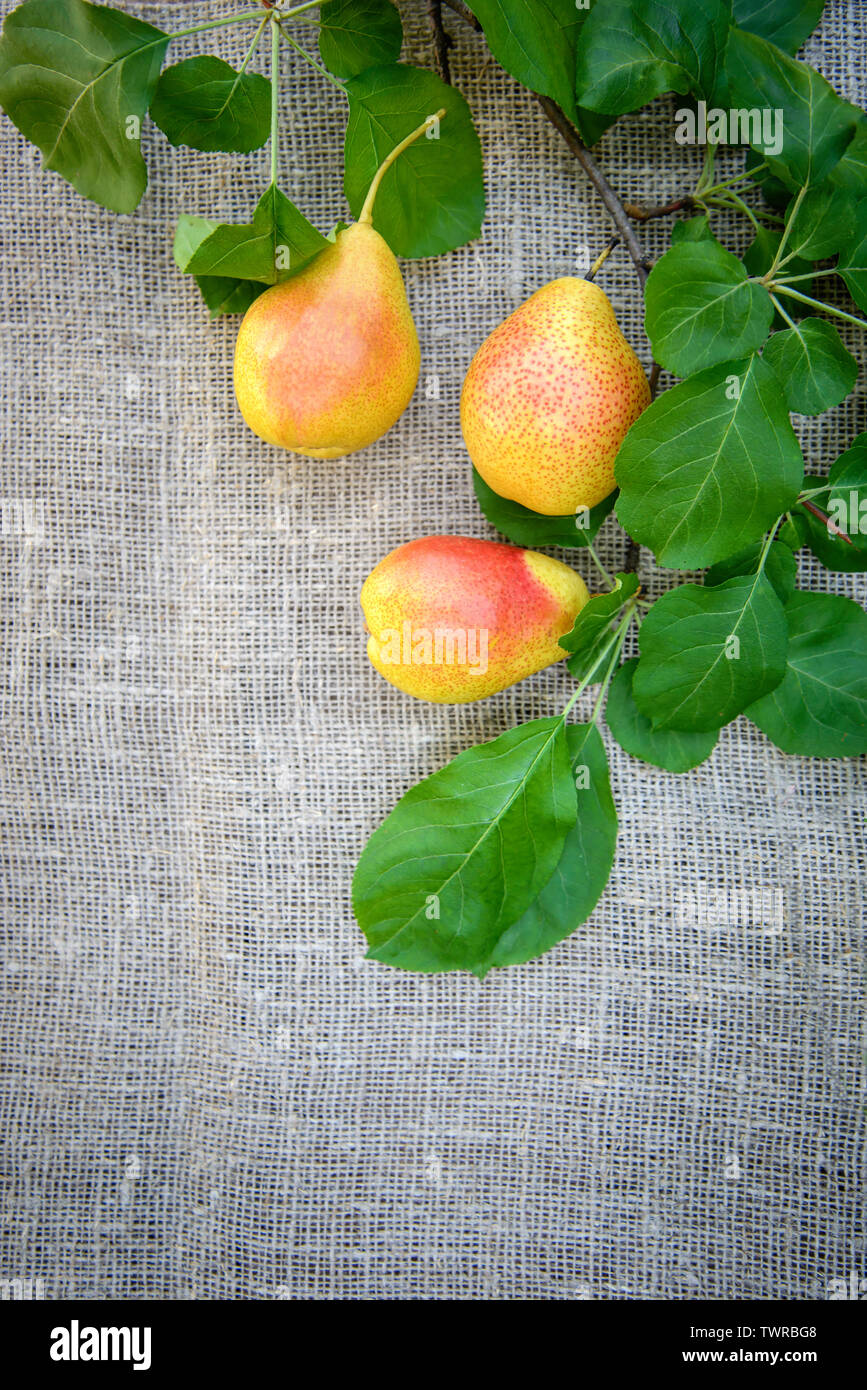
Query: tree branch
[618,213]
[465,13]
[564,126]
[832,526]
[442,40]
[642,214]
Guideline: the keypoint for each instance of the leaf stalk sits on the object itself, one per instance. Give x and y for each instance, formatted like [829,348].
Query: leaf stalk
[818,304]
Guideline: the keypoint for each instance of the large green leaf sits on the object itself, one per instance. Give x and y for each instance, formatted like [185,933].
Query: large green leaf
[432,199]
[852,262]
[820,707]
[77,79]
[593,624]
[701,308]
[575,886]
[814,368]
[358,34]
[535,40]
[531,529]
[707,653]
[709,466]
[204,103]
[787,23]
[630,51]
[845,500]
[672,749]
[465,852]
[273,246]
[817,124]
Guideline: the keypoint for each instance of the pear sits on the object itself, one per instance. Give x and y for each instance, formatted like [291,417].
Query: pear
[549,397]
[453,619]
[326,361]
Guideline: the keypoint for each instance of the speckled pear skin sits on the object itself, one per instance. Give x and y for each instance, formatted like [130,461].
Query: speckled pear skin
[522,601]
[327,361]
[549,397]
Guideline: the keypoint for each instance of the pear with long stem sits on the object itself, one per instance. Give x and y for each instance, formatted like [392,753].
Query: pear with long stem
[327,361]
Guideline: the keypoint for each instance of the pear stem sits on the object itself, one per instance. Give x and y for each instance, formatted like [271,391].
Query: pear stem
[366,214]
[602,258]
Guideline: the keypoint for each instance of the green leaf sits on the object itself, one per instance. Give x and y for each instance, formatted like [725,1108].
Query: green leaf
[278,242]
[630,51]
[832,550]
[593,624]
[531,529]
[759,255]
[205,104]
[691,229]
[823,223]
[851,173]
[845,501]
[709,466]
[787,23]
[534,40]
[671,749]
[791,531]
[817,124]
[813,366]
[707,653]
[464,853]
[575,886]
[847,498]
[701,308]
[432,199]
[820,707]
[224,295]
[758,259]
[189,234]
[852,262]
[358,34]
[775,193]
[780,568]
[77,79]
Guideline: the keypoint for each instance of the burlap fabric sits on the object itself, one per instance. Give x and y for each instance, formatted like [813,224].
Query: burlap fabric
[206,1092]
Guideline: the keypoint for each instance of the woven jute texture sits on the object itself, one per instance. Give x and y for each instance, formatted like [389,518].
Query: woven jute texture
[206,1092]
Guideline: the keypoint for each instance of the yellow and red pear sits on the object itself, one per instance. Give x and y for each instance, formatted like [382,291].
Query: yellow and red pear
[453,619]
[326,361]
[549,397]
